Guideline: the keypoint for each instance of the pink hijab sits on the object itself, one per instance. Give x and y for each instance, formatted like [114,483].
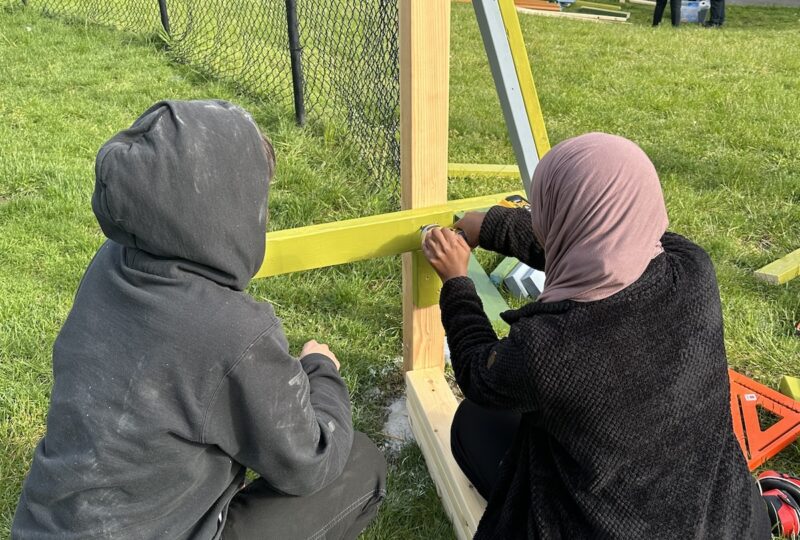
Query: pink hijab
[599,213]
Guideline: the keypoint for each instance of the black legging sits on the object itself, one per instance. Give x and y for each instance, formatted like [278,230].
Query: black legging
[674,12]
[479,439]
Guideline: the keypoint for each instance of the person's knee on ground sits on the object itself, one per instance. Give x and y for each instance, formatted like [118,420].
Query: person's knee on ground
[339,511]
[367,459]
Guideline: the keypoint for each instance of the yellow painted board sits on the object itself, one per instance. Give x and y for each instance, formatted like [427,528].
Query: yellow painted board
[431,406]
[480,169]
[782,270]
[525,76]
[428,283]
[340,242]
[790,386]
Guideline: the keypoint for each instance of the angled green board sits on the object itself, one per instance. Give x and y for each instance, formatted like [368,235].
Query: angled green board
[493,303]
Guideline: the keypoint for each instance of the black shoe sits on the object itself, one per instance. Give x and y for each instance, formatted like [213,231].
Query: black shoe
[709,24]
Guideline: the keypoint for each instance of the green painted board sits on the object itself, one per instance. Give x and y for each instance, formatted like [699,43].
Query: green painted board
[493,303]
[782,270]
[790,386]
[503,269]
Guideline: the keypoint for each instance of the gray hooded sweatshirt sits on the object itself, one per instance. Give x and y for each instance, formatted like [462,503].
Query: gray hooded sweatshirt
[169,380]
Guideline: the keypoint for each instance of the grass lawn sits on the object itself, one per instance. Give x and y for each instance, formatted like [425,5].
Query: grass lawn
[717,111]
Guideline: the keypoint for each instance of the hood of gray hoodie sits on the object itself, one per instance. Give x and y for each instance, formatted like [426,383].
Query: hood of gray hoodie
[188,182]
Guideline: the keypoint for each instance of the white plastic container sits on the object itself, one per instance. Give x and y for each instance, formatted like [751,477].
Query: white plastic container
[694,11]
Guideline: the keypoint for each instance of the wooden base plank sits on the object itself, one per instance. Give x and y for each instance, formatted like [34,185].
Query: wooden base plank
[782,270]
[431,406]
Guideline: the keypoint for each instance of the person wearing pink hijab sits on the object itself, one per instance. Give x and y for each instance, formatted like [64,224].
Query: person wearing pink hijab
[605,413]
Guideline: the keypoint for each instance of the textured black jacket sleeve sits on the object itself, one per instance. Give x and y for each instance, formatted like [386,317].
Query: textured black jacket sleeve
[488,370]
[509,231]
[288,420]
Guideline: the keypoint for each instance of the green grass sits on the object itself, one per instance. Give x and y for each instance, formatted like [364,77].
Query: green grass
[718,112]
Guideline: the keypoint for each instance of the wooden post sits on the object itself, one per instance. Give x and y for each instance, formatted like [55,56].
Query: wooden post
[424,99]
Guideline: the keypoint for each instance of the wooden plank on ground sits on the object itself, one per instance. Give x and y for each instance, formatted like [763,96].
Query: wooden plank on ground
[782,270]
[583,3]
[624,15]
[567,15]
[431,406]
[790,386]
[424,104]
[537,4]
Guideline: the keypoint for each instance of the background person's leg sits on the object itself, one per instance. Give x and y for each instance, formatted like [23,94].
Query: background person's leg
[675,12]
[479,439]
[717,13]
[659,11]
[339,511]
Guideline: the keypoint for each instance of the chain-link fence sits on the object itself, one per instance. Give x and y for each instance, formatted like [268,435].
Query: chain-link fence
[348,51]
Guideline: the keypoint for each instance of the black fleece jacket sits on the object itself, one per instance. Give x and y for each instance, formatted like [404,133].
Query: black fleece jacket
[170,381]
[626,425]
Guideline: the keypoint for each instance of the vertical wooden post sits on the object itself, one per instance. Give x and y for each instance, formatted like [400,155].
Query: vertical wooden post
[424,99]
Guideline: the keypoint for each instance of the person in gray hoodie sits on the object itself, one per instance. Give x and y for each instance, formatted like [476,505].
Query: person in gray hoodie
[171,382]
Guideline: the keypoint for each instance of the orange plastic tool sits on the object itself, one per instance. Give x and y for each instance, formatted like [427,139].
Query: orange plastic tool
[758,445]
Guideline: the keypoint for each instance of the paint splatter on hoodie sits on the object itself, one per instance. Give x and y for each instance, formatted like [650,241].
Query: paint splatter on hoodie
[170,381]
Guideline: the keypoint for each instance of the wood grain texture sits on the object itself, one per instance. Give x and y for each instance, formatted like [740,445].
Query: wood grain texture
[431,406]
[424,105]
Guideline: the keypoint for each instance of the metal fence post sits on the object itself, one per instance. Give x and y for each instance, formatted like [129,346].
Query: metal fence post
[162,7]
[295,52]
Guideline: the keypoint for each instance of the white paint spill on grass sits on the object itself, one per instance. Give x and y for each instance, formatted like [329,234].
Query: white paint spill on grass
[397,428]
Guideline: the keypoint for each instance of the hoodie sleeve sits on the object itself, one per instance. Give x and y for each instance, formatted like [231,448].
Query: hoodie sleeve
[509,231]
[490,371]
[288,420]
